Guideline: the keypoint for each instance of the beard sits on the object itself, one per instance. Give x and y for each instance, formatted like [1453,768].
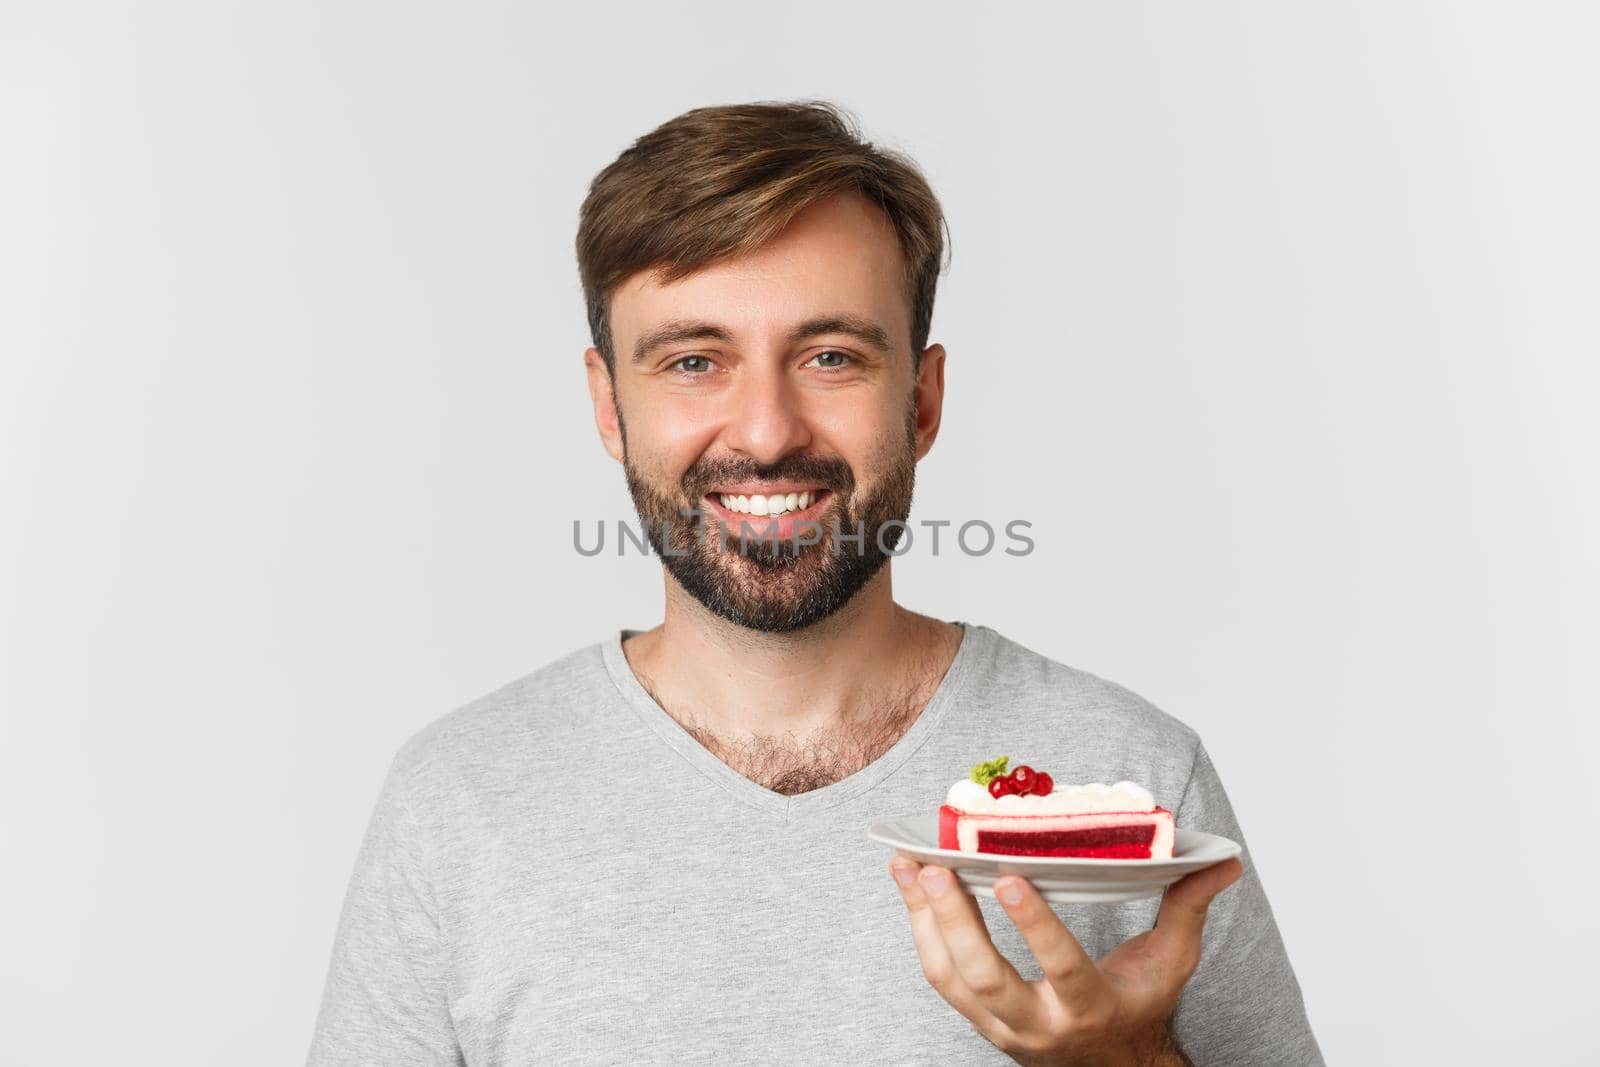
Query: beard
[766,583]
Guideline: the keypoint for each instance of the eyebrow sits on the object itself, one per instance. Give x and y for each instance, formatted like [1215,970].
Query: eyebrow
[676,330]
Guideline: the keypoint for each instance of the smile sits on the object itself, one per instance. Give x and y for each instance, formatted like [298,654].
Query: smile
[768,504]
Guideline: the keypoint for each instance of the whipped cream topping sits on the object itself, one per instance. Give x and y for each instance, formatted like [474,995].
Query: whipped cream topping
[967,795]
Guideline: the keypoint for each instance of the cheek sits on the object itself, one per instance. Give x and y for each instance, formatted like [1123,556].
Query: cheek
[667,438]
[865,430]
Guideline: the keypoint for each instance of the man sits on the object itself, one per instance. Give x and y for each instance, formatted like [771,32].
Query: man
[653,849]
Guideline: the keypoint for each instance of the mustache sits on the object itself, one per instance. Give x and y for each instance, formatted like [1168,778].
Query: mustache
[829,472]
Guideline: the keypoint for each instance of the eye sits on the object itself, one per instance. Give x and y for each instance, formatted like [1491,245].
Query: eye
[842,358]
[700,364]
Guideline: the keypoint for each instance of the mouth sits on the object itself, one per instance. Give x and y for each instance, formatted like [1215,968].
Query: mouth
[767,501]
[761,508]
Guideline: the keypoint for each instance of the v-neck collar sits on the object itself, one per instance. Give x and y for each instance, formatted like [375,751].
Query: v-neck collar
[802,804]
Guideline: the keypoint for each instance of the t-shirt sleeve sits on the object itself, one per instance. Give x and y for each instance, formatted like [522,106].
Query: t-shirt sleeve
[385,1001]
[1243,1004]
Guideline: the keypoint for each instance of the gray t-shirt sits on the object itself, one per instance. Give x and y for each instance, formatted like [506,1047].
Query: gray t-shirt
[559,873]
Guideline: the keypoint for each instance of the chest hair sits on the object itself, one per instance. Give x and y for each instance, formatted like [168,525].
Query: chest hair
[791,764]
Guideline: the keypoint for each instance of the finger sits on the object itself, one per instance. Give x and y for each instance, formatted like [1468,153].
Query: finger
[1182,918]
[1067,967]
[938,966]
[936,961]
[990,976]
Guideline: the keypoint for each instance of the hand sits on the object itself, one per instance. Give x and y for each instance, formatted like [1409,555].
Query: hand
[1115,1013]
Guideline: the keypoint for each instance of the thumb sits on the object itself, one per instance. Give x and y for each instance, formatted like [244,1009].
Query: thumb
[1182,917]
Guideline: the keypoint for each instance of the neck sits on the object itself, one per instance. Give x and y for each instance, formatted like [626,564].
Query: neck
[831,676]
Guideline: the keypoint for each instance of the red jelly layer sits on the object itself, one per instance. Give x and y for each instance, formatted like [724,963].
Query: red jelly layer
[1108,842]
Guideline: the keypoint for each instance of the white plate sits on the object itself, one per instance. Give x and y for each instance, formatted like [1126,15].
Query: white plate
[1059,879]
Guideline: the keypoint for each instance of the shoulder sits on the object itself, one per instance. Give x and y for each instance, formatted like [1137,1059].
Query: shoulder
[535,718]
[1095,707]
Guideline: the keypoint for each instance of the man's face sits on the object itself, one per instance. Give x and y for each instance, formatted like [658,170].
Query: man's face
[787,371]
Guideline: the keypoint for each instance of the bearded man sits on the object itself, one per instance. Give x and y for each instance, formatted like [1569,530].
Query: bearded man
[653,848]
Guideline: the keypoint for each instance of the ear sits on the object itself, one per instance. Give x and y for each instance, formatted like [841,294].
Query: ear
[929,393]
[602,392]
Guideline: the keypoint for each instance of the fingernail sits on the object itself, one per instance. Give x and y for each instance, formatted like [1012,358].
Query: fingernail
[1009,890]
[904,875]
[935,880]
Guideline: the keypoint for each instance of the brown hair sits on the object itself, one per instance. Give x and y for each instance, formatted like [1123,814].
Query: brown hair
[721,181]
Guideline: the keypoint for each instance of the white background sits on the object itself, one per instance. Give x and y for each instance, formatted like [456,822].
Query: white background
[1277,321]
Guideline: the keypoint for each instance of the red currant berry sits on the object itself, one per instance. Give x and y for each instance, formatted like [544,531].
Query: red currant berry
[1025,778]
[1042,784]
[1001,787]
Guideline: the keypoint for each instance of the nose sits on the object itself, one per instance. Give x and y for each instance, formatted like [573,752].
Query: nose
[765,420]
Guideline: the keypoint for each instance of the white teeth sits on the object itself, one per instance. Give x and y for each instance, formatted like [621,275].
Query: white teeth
[760,504]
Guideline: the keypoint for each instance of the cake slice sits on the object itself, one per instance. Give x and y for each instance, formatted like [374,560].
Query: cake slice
[1022,813]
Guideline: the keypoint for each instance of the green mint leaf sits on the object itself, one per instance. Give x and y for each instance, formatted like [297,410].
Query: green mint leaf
[984,773]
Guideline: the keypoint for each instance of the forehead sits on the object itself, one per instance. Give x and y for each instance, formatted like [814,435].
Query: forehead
[838,256]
